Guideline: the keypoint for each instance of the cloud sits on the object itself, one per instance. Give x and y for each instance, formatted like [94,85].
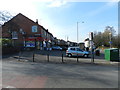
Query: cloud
[57,3]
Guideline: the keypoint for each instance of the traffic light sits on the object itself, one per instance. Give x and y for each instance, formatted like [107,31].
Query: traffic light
[91,35]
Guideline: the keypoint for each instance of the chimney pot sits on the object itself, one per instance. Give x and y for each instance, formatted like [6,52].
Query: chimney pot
[37,21]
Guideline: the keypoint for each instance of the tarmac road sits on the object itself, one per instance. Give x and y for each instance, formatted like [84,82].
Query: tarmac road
[25,74]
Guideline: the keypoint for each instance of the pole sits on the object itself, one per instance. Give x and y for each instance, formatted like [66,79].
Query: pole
[92,50]
[33,57]
[19,56]
[77,39]
[110,40]
[77,58]
[62,58]
[67,38]
[77,32]
[92,58]
[48,57]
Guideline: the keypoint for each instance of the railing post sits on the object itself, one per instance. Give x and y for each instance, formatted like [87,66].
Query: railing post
[33,57]
[77,58]
[62,58]
[48,57]
[92,55]
[19,56]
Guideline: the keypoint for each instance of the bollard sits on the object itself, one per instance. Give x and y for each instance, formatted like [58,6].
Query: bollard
[92,56]
[77,58]
[62,59]
[33,57]
[48,57]
[19,56]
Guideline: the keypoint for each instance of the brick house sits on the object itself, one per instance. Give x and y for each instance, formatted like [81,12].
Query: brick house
[25,32]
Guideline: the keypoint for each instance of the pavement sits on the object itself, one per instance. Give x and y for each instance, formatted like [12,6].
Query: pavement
[24,73]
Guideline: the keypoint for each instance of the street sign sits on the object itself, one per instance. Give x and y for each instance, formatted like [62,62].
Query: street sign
[110,42]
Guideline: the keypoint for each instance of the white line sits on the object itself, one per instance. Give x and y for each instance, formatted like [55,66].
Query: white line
[10,87]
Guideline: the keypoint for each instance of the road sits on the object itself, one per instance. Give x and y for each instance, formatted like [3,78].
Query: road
[27,74]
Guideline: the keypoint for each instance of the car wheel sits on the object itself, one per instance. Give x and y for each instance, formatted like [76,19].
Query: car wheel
[69,55]
[85,55]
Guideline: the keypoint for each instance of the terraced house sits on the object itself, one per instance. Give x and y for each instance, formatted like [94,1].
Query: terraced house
[26,33]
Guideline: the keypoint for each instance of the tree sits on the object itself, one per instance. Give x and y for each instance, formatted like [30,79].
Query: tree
[108,35]
[103,38]
[98,39]
[116,41]
[110,30]
[4,17]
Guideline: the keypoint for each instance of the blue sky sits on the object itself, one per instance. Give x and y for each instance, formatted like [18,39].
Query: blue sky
[60,17]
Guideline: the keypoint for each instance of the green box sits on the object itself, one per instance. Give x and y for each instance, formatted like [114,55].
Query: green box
[112,54]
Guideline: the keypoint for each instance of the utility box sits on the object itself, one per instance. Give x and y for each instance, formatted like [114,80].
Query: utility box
[112,54]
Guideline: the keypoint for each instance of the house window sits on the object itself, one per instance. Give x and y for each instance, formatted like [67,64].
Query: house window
[14,35]
[34,28]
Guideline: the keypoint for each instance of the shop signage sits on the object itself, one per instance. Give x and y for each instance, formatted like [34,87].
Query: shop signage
[34,28]
[30,44]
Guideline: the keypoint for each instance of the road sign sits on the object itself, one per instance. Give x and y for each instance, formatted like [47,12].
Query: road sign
[110,42]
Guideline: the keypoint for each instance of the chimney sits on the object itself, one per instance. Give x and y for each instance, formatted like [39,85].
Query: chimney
[37,21]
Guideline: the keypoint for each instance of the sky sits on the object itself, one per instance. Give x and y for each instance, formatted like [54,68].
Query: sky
[60,17]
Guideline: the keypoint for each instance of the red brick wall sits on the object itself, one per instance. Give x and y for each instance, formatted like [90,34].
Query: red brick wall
[20,22]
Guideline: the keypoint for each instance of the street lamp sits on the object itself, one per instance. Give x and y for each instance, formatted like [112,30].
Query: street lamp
[78,32]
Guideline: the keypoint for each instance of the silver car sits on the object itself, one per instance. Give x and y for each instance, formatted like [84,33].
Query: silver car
[76,51]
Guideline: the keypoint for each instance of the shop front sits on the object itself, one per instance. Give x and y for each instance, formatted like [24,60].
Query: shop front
[34,42]
[29,43]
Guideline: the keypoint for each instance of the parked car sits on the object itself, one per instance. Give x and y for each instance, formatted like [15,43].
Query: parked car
[56,48]
[64,48]
[76,51]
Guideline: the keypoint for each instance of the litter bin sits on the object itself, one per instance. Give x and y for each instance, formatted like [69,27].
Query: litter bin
[112,54]
[97,52]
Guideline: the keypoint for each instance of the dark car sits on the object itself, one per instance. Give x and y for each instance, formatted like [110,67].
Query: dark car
[56,48]
[64,48]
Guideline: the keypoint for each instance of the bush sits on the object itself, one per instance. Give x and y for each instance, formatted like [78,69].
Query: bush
[6,43]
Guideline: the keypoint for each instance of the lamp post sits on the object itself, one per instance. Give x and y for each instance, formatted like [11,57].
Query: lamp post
[78,32]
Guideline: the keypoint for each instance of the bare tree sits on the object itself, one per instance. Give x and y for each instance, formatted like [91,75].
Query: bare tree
[103,38]
[4,17]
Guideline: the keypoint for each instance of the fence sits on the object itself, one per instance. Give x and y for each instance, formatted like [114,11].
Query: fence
[50,56]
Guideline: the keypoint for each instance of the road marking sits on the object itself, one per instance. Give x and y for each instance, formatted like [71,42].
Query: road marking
[10,87]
